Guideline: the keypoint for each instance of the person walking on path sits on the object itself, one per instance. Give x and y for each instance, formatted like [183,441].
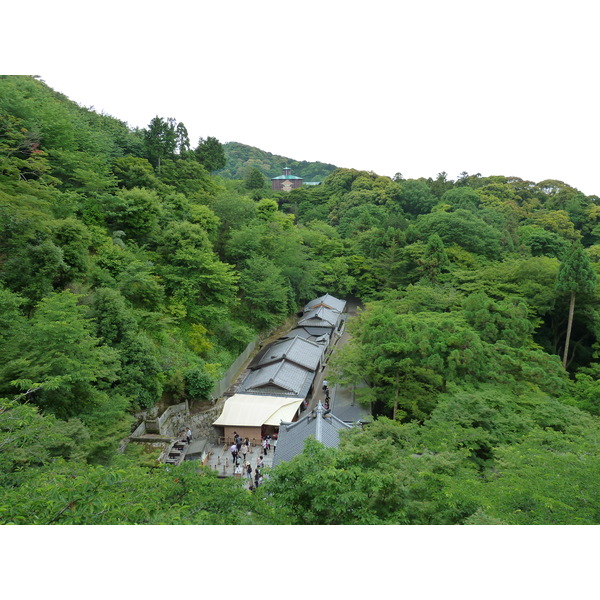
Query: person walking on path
[325,385]
[244,451]
[249,471]
[234,453]
[265,446]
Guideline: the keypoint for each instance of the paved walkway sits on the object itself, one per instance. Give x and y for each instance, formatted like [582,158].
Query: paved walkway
[220,460]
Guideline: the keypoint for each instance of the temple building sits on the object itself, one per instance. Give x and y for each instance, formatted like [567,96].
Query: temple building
[286,182]
[319,424]
[279,381]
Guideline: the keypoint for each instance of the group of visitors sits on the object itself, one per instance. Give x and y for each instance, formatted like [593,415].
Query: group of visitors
[325,388]
[242,466]
[239,446]
[258,478]
[266,443]
[326,392]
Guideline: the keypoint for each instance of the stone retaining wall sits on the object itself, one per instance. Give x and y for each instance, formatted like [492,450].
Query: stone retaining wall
[139,430]
[202,424]
[174,419]
[225,382]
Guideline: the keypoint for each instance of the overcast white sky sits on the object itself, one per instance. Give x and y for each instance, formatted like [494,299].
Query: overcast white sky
[417,87]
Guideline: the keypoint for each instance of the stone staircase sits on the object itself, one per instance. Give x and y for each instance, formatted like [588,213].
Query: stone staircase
[176,454]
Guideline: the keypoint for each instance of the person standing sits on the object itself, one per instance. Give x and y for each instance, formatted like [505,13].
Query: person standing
[265,446]
[233,451]
[244,451]
[249,471]
[325,384]
[188,435]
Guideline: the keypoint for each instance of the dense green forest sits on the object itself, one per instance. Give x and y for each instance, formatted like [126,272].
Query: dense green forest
[136,264]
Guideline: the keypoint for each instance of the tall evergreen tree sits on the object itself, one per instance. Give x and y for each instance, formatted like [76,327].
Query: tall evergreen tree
[160,139]
[210,154]
[182,139]
[575,276]
[435,260]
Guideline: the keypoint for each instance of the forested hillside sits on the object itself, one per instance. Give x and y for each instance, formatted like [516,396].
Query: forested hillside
[243,159]
[133,274]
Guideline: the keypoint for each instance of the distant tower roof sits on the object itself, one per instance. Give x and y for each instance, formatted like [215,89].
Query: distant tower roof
[287,174]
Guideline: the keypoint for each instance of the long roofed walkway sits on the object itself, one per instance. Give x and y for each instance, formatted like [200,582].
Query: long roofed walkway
[342,404]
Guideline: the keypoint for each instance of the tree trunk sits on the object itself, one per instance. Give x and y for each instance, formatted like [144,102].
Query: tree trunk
[396,396]
[569,325]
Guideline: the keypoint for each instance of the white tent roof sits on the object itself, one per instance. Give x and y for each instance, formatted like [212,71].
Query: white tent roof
[249,410]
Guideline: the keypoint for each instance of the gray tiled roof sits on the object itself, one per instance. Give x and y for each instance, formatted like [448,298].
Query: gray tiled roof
[280,378]
[318,335]
[327,301]
[300,351]
[319,332]
[320,317]
[323,427]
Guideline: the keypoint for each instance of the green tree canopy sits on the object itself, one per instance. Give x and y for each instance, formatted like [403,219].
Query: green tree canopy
[60,364]
[210,154]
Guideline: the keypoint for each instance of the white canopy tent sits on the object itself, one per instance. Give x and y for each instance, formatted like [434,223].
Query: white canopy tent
[250,410]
